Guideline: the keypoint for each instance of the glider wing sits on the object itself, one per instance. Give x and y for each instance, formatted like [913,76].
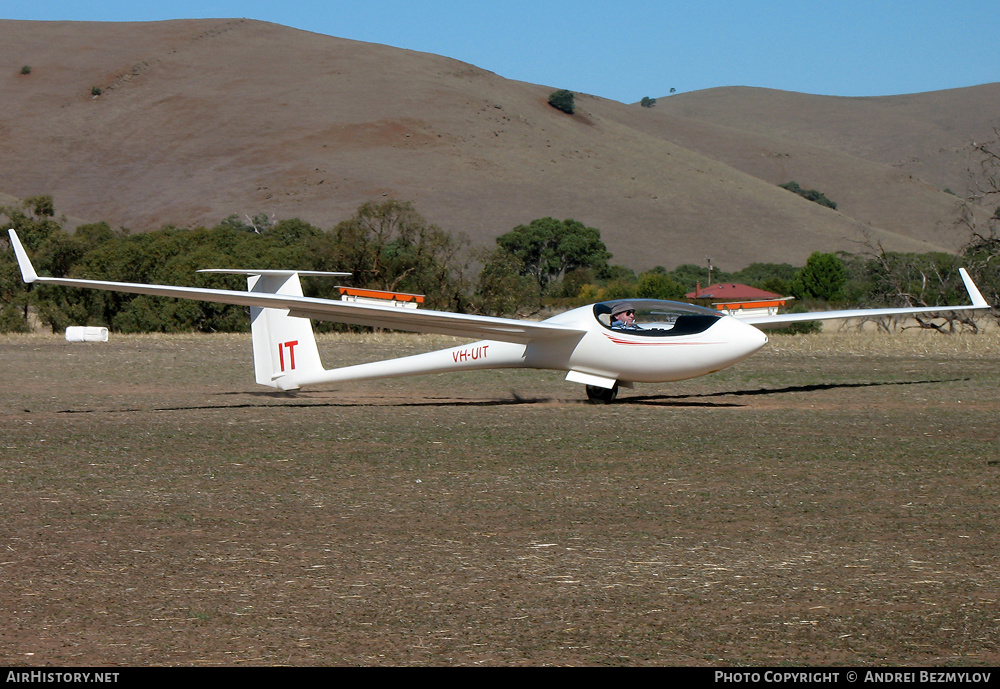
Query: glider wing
[413,320]
[978,302]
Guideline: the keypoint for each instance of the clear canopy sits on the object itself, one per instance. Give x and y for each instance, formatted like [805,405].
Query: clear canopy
[655,317]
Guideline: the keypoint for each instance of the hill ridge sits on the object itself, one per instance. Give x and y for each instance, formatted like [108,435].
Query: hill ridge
[201,119]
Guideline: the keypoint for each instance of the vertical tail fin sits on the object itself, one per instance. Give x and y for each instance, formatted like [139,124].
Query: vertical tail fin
[282,344]
[284,347]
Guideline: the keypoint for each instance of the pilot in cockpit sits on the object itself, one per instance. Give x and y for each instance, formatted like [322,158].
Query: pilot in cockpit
[623,317]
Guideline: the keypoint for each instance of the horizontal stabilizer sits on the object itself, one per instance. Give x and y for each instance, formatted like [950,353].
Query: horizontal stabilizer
[272,273]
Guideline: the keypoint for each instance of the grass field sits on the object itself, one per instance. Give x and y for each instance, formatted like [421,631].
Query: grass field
[833,500]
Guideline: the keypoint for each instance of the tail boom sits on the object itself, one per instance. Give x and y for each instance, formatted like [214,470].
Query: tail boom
[476,356]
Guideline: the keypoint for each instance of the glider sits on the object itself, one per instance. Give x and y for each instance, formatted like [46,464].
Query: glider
[602,346]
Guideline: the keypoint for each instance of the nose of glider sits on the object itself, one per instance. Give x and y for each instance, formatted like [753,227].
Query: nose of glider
[745,338]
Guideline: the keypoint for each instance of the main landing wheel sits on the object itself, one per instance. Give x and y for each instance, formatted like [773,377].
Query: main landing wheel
[598,395]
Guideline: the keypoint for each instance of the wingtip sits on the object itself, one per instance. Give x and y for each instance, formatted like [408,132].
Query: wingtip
[27,270]
[977,297]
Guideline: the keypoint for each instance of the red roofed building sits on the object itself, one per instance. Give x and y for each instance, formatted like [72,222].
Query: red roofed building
[736,299]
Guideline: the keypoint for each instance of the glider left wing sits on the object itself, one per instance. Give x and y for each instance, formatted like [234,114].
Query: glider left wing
[978,302]
[412,320]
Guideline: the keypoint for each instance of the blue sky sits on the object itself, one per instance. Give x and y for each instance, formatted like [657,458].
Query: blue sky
[628,49]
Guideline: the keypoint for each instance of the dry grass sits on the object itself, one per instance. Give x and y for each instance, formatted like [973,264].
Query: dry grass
[831,501]
[904,343]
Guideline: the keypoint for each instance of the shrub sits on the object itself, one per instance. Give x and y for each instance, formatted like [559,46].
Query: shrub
[810,194]
[562,100]
[26,70]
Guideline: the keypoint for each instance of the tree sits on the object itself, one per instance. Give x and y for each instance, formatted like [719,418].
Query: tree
[94,234]
[33,219]
[647,102]
[260,222]
[501,288]
[657,285]
[979,214]
[773,277]
[546,249]
[822,277]
[13,297]
[390,246]
[690,275]
[563,100]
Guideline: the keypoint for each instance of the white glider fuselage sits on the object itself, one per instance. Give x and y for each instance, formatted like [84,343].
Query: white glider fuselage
[591,351]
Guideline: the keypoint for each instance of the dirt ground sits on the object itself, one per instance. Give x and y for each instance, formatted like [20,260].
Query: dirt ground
[832,501]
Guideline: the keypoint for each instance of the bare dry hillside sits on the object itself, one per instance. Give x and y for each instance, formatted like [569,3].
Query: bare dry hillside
[199,119]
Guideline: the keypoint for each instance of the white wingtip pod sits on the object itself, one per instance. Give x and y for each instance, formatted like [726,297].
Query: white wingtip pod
[27,270]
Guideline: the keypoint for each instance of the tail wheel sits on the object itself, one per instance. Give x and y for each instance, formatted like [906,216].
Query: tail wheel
[598,395]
